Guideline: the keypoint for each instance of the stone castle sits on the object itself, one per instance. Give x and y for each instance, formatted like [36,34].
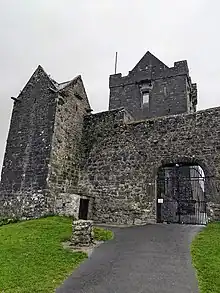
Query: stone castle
[62,159]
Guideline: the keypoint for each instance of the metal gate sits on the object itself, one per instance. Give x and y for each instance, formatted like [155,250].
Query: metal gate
[181,195]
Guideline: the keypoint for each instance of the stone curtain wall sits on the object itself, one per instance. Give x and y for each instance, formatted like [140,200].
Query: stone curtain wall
[122,160]
[97,128]
[25,167]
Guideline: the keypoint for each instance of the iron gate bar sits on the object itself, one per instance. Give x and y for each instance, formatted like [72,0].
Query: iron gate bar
[184,199]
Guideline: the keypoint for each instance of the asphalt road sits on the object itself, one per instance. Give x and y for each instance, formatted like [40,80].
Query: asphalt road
[144,259]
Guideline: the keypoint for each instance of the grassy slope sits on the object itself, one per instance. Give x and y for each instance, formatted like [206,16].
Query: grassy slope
[32,258]
[206,258]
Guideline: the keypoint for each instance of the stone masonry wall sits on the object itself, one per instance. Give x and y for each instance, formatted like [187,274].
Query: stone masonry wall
[167,96]
[171,90]
[25,168]
[41,166]
[122,160]
[72,106]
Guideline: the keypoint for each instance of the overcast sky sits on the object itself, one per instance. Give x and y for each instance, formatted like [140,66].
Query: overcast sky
[72,37]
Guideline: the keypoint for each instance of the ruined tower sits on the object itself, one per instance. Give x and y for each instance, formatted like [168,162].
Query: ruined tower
[41,160]
[152,89]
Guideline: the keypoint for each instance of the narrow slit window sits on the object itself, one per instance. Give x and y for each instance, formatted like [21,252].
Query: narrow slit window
[145,98]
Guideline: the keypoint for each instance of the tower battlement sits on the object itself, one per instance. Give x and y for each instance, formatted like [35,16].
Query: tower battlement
[170,90]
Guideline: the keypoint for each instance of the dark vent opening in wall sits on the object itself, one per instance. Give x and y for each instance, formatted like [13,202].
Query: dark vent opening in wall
[83,208]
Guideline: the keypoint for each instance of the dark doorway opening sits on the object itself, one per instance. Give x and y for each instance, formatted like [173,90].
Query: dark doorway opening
[181,194]
[83,208]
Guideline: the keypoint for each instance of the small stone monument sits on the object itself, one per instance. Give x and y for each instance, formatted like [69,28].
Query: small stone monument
[82,233]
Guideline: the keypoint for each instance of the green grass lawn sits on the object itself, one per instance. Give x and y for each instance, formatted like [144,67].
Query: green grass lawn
[32,258]
[206,258]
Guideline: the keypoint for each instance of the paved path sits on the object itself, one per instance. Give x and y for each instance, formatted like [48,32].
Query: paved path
[144,259]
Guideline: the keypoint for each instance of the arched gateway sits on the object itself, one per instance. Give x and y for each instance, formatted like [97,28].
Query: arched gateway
[129,166]
[181,194]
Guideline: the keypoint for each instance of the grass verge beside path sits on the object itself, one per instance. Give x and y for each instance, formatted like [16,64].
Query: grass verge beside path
[101,234]
[32,259]
[205,251]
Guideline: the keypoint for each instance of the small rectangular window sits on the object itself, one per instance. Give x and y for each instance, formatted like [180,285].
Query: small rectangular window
[145,98]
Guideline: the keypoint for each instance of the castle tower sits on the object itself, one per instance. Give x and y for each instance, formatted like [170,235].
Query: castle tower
[152,89]
[41,160]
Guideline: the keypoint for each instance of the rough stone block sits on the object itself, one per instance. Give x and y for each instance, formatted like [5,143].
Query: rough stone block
[82,233]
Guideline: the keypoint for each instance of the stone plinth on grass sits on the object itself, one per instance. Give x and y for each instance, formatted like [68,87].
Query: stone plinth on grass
[82,235]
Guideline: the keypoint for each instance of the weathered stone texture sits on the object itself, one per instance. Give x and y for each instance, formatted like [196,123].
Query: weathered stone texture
[67,204]
[214,211]
[72,106]
[123,160]
[41,164]
[171,90]
[82,233]
[25,167]
[57,152]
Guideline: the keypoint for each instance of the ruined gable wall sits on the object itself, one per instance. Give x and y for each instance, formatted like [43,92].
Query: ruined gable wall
[122,160]
[72,106]
[25,167]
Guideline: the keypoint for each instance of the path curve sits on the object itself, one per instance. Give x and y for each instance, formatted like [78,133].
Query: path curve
[143,259]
